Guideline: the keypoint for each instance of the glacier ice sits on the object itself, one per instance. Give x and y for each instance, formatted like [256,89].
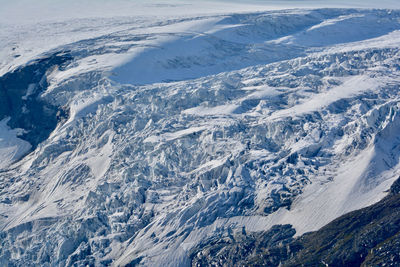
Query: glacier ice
[175,134]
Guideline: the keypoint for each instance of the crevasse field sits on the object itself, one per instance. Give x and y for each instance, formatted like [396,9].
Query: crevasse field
[130,131]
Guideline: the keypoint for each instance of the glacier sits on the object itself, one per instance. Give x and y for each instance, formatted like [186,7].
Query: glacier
[133,138]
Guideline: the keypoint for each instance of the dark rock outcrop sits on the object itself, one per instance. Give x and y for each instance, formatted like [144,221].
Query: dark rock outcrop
[241,249]
[365,237]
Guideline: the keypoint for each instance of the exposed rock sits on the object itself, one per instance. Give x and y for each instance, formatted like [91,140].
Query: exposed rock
[241,249]
[366,237]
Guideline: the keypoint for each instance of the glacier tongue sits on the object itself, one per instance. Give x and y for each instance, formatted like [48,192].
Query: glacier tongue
[184,128]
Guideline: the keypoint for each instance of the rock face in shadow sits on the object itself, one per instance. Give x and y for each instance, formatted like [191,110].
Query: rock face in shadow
[20,98]
[242,249]
[360,238]
[365,237]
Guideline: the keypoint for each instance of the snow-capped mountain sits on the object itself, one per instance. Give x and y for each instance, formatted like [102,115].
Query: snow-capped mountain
[130,139]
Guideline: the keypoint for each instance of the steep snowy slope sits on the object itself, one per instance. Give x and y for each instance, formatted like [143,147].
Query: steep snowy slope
[160,133]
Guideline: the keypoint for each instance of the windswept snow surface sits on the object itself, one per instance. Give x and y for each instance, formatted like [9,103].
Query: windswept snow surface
[12,148]
[193,124]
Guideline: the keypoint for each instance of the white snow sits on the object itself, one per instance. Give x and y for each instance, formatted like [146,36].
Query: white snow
[165,137]
[350,87]
[218,110]
[12,148]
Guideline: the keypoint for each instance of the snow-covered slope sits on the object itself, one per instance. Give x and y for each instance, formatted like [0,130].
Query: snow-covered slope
[172,130]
